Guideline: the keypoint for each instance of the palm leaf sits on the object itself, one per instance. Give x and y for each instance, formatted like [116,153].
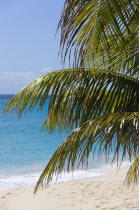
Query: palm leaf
[97,28]
[122,128]
[77,95]
[133,173]
[122,61]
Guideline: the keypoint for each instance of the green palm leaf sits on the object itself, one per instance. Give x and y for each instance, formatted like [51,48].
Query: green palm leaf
[98,28]
[97,132]
[78,95]
[133,173]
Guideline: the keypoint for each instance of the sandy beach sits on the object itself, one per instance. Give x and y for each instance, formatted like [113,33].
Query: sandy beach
[104,192]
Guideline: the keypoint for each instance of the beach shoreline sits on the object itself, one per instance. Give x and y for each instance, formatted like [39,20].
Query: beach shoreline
[8,181]
[102,192]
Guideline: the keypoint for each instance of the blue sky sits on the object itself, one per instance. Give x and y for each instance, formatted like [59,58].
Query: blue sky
[28,46]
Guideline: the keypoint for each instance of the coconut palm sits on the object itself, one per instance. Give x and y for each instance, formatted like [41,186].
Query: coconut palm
[99,95]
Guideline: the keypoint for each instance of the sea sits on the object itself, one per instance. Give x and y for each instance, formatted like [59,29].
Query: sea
[25,150]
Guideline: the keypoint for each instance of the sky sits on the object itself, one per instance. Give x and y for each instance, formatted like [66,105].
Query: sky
[28,45]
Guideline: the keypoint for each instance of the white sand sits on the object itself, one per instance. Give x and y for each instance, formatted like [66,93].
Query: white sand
[105,192]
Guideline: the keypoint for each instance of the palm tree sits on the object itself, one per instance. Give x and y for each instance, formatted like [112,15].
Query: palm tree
[99,94]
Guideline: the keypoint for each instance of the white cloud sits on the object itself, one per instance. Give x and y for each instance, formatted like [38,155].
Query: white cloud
[12,82]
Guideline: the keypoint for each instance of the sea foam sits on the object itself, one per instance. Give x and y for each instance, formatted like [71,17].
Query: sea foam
[30,179]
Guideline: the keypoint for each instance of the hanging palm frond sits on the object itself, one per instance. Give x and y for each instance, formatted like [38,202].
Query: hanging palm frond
[122,61]
[78,95]
[118,132]
[133,173]
[97,28]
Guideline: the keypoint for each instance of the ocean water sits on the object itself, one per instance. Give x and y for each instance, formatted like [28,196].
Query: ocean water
[25,150]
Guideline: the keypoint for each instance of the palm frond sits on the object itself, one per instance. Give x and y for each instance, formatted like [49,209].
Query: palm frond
[122,61]
[97,27]
[77,95]
[133,173]
[118,132]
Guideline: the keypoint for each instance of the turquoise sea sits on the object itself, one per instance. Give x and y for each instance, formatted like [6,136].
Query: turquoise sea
[25,150]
